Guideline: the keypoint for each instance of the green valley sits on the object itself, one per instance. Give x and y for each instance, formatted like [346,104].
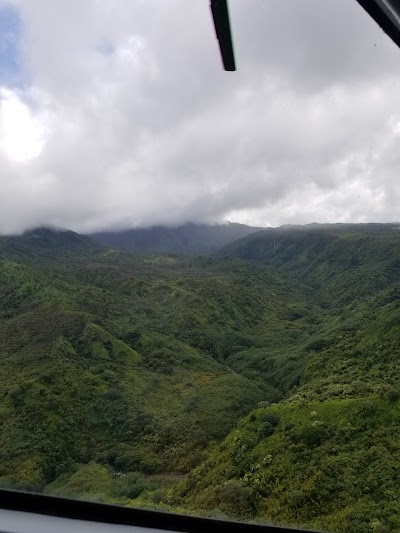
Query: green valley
[258,383]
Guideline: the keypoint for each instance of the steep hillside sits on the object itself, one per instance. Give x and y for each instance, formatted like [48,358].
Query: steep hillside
[260,383]
[122,359]
[194,239]
[330,465]
[340,261]
[326,455]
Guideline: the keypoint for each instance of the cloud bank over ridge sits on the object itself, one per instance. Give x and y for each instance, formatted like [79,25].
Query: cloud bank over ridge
[122,115]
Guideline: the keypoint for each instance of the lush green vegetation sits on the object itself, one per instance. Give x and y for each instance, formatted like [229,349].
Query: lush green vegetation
[262,383]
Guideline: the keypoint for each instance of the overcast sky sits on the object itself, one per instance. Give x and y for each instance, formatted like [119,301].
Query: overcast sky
[117,113]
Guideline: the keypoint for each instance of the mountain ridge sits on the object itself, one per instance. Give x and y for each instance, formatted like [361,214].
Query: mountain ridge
[190,238]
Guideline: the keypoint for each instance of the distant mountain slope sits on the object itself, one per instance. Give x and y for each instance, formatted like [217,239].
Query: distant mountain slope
[45,243]
[194,239]
[339,261]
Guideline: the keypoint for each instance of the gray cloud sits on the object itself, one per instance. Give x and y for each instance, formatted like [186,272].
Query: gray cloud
[129,118]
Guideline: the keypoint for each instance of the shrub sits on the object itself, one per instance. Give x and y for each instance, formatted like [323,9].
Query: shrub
[269,418]
[367,409]
[296,499]
[311,436]
[393,395]
[236,498]
[266,430]
[318,345]
[130,485]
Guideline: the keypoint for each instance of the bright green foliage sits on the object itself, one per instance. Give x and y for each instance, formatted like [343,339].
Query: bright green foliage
[89,482]
[262,383]
[321,471]
[120,359]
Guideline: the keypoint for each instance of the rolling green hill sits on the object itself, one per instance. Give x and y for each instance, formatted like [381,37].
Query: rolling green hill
[260,383]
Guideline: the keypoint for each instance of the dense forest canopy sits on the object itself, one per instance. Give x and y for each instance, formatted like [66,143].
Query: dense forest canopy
[260,382]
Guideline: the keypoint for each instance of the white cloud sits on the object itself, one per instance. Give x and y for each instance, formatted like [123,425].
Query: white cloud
[129,118]
[22,135]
